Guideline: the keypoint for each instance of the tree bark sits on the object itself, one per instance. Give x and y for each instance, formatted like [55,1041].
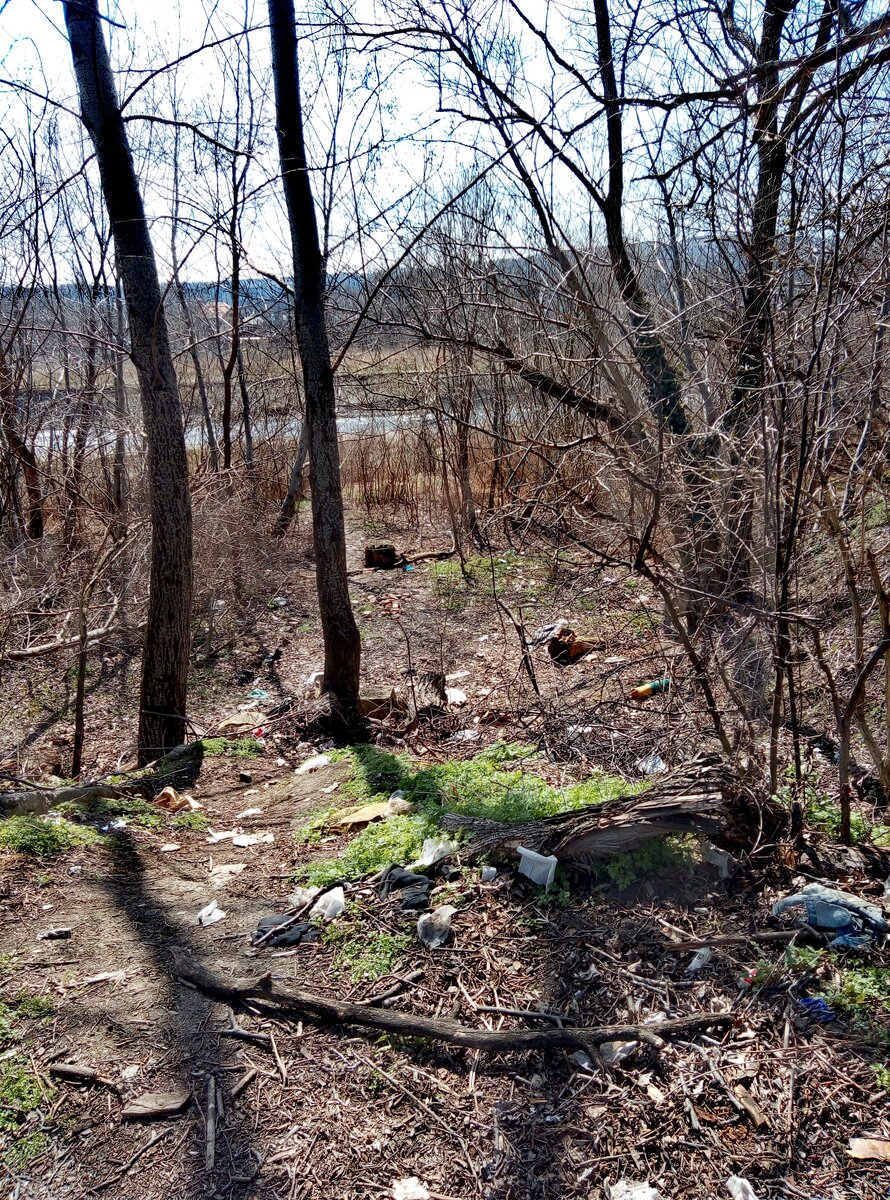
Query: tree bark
[342,645]
[166,652]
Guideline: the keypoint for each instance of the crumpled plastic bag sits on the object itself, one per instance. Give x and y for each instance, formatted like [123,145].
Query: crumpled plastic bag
[740,1188]
[624,1189]
[855,922]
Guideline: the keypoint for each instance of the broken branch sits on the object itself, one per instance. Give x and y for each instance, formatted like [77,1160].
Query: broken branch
[296,1004]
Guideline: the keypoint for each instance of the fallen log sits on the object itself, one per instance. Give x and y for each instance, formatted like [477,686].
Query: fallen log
[294,1004]
[179,769]
[705,798]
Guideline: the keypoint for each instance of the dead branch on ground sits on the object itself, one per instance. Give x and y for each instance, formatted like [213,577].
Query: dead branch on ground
[293,1004]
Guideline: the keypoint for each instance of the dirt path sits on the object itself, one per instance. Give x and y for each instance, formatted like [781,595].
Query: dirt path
[330,1114]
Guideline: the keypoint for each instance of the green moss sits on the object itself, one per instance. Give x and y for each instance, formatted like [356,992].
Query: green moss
[23,1152]
[21,1091]
[396,840]
[655,857]
[31,1006]
[490,785]
[311,832]
[42,837]
[7,1032]
[861,990]
[231,747]
[103,811]
[450,585]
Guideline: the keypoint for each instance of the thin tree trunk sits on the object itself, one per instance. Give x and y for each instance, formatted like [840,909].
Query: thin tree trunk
[246,417]
[20,452]
[289,503]
[342,644]
[166,653]
[212,444]
[119,473]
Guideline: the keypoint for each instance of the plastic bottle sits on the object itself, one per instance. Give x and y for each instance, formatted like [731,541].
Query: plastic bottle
[652,688]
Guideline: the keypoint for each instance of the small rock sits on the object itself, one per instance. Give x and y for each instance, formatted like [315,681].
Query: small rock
[245,777]
[54,935]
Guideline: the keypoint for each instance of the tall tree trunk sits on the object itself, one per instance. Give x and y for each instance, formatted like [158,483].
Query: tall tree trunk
[246,418]
[166,654]
[200,383]
[342,645]
[662,379]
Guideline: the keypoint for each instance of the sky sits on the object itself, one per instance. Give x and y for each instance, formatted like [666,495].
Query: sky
[390,164]
[34,52]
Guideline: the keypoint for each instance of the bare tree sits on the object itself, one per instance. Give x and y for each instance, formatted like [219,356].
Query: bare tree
[165,658]
[342,645]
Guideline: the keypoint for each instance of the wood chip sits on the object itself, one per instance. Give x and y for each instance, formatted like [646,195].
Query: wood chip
[750,1105]
[156,1104]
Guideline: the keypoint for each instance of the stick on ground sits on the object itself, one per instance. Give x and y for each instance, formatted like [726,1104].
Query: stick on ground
[294,1004]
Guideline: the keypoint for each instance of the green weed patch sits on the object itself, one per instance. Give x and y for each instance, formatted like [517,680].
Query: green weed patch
[41,837]
[491,785]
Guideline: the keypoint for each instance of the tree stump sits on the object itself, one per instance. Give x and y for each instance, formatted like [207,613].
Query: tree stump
[381,556]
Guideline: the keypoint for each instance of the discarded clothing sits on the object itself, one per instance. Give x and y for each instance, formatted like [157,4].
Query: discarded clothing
[291,936]
[855,922]
[415,889]
[817,1009]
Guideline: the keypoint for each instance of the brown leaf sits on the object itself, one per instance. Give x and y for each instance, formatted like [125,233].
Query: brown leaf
[870,1148]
